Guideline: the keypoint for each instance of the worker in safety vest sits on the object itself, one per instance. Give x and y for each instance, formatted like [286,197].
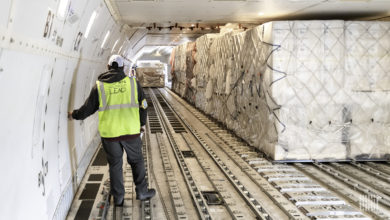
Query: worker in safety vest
[121,106]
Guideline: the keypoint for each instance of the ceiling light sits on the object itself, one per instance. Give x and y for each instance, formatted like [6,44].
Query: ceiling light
[105,39]
[120,48]
[113,47]
[62,8]
[90,23]
[260,13]
[157,54]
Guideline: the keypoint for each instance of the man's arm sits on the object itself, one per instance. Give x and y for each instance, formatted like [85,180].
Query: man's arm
[143,113]
[90,106]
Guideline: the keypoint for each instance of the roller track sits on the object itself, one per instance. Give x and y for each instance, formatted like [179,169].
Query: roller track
[111,212]
[300,191]
[203,171]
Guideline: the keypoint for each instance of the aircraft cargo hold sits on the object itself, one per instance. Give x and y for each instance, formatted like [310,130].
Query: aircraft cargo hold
[247,101]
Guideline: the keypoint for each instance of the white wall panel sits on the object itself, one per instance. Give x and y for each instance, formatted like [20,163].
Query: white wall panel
[90,43]
[64,165]
[72,29]
[36,15]
[41,79]
[20,167]
[4,13]
[52,134]
[80,94]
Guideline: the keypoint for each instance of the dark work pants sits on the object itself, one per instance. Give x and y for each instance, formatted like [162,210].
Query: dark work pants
[114,151]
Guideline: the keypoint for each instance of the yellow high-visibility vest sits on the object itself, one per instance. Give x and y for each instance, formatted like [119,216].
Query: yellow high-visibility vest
[118,108]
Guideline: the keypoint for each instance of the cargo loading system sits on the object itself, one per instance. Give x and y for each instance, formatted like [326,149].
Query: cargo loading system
[302,82]
[201,170]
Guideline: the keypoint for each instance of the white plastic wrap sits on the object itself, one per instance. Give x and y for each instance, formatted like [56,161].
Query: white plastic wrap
[151,76]
[301,90]
[367,63]
[184,63]
[179,81]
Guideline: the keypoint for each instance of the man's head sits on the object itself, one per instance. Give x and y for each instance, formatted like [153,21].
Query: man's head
[115,62]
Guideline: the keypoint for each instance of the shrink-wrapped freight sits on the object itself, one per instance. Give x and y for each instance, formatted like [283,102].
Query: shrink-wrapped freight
[151,76]
[301,90]
[201,68]
[189,91]
[179,73]
[367,49]
[183,63]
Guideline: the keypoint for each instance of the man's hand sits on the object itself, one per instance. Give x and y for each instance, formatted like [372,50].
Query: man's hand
[143,129]
[70,116]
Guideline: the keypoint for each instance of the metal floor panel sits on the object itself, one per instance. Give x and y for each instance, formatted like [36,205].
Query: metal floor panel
[95,177]
[90,191]
[100,159]
[84,210]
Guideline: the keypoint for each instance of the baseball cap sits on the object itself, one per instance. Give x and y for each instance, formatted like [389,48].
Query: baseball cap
[116,58]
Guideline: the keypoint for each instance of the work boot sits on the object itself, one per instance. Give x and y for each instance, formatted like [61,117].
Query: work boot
[146,195]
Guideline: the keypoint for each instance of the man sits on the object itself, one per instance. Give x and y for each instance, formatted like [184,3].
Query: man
[121,106]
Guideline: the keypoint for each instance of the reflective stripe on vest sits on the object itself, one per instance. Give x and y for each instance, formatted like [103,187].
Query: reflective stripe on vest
[132,104]
[118,108]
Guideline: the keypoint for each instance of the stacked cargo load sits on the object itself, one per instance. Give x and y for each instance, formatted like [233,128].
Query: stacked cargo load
[367,65]
[183,66]
[302,90]
[220,63]
[178,75]
[151,76]
[189,91]
[201,69]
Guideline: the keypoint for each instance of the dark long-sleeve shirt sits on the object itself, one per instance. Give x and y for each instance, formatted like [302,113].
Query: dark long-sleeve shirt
[91,105]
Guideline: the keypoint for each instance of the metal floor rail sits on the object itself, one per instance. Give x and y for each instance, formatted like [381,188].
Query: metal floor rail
[314,198]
